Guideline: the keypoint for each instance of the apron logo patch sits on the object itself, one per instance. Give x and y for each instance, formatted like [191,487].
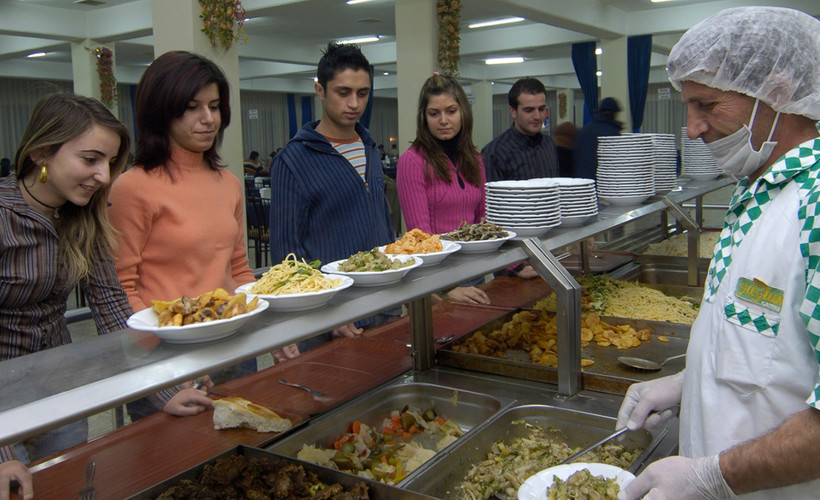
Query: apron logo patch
[758,292]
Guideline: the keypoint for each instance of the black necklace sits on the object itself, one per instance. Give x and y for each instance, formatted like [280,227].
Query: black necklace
[56,209]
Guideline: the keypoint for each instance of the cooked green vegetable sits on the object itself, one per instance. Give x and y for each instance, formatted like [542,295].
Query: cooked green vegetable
[583,486]
[372,260]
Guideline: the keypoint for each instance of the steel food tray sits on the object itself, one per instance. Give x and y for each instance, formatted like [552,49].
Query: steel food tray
[377,491]
[441,476]
[607,374]
[466,408]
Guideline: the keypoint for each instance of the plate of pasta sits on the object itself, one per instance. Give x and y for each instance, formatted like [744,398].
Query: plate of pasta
[296,285]
[210,316]
[374,268]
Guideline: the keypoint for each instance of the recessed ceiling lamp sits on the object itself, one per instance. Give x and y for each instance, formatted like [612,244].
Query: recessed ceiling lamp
[354,2]
[504,60]
[386,73]
[599,51]
[661,1]
[599,73]
[506,20]
[36,54]
[361,39]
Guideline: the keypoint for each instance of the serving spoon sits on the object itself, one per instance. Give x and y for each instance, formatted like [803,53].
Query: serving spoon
[646,364]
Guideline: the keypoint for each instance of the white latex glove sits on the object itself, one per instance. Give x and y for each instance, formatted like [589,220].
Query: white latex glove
[679,478]
[643,398]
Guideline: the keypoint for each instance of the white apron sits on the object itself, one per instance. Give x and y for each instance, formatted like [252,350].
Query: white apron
[748,368]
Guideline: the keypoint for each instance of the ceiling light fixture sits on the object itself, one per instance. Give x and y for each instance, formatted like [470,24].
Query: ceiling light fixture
[36,54]
[496,22]
[599,73]
[599,51]
[661,1]
[361,39]
[504,60]
[354,2]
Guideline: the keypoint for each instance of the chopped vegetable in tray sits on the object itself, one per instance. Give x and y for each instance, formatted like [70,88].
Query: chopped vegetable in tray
[407,439]
[508,464]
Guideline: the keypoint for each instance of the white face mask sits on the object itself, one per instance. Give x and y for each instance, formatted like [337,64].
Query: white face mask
[735,153]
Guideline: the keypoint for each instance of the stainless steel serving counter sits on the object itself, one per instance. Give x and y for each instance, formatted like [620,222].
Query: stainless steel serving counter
[53,387]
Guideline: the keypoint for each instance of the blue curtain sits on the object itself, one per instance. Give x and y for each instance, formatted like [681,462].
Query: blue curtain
[292,125]
[638,54]
[307,109]
[586,65]
[368,111]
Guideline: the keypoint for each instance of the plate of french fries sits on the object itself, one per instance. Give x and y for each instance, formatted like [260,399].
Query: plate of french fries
[212,315]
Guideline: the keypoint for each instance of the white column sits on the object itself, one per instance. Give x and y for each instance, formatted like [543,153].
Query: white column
[177,27]
[416,58]
[482,113]
[615,82]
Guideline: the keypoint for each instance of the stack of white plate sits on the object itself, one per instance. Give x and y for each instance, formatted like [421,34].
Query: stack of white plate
[666,162]
[578,200]
[626,169]
[528,208]
[697,161]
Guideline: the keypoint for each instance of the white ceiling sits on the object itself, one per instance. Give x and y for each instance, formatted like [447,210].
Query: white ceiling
[285,36]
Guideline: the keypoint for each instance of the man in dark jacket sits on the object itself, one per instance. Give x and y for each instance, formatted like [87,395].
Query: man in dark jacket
[586,142]
[327,189]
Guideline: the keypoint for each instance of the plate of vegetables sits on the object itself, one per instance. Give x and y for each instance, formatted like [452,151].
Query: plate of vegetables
[576,480]
[373,268]
[479,238]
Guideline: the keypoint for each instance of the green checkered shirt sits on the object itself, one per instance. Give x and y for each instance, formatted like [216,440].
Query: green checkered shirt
[801,165]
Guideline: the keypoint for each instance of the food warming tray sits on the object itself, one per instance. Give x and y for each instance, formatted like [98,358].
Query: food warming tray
[465,408]
[377,491]
[606,375]
[441,476]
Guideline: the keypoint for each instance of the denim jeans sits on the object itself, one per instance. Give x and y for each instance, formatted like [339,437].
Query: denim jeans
[52,442]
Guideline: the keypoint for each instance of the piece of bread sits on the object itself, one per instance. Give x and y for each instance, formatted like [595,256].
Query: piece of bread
[239,412]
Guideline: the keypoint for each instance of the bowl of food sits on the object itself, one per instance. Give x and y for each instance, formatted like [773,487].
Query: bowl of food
[210,316]
[373,268]
[430,258]
[296,285]
[566,481]
[479,238]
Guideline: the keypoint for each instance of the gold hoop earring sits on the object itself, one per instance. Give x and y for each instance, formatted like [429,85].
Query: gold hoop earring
[43,177]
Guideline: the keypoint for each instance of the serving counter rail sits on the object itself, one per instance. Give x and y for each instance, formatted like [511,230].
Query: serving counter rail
[56,386]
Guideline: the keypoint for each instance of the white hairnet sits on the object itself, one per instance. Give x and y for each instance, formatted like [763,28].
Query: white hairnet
[769,53]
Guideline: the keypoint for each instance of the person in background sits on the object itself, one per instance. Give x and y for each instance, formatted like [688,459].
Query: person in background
[585,157]
[253,166]
[179,213]
[5,167]
[54,234]
[441,177]
[564,145]
[523,151]
[327,189]
[750,393]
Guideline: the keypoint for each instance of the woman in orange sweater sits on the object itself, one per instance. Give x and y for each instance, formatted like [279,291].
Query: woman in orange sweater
[179,212]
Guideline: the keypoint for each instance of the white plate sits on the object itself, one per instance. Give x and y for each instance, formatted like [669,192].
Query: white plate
[535,487]
[484,246]
[539,183]
[301,301]
[147,321]
[375,278]
[432,258]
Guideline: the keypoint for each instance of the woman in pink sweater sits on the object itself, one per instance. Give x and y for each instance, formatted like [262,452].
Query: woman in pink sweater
[179,213]
[441,177]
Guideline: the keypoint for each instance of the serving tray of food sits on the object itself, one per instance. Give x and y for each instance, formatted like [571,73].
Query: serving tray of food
[245,472]
[388,433]
[523,344]
[521,441]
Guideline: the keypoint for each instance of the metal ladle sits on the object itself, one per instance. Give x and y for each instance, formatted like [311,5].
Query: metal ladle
[646,364]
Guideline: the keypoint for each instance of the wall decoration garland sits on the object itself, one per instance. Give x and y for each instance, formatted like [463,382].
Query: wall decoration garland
[449,19]
[105,70]
[219,17]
